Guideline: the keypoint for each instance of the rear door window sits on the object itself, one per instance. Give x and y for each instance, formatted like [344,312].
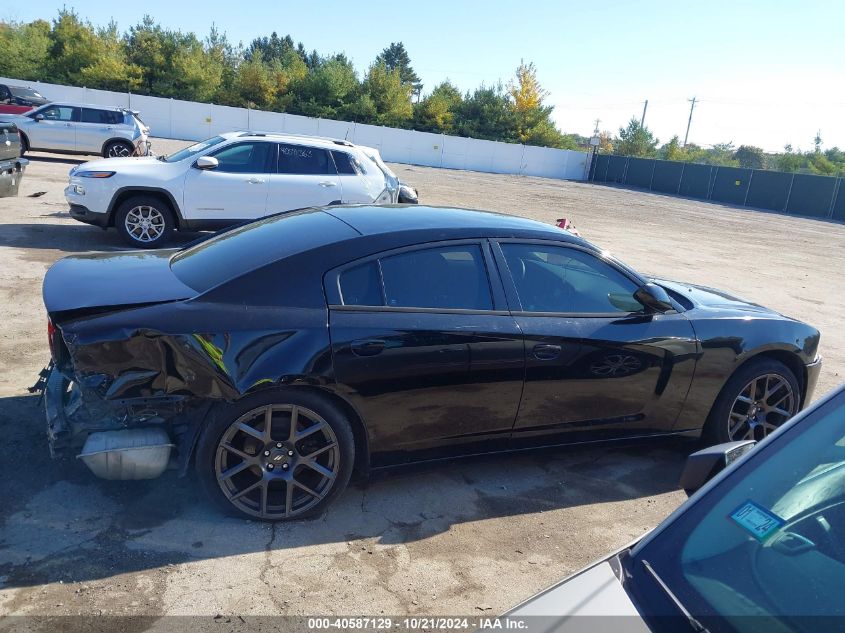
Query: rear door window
[347,165]
[448,277]
[304,160]
[104,117]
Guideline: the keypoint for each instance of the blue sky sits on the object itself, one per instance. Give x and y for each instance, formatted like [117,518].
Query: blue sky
[766,73]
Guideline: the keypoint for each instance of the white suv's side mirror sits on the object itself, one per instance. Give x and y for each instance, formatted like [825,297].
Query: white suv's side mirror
[206,162]
[39,117]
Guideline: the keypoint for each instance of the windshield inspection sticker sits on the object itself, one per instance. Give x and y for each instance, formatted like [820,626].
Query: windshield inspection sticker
[756,520]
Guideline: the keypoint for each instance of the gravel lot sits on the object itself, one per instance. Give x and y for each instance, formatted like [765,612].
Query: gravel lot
[471,537]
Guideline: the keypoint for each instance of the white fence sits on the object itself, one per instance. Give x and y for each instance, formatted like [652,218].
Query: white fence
[189,120]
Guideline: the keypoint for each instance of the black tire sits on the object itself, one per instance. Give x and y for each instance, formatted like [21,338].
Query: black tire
[223,421]
[723,415]
[118,149]
[144,208]
[24,145]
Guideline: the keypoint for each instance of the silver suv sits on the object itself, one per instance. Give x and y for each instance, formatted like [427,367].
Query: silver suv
[73,128]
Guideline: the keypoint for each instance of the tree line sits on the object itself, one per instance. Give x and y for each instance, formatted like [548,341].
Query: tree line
[637,140]
[274,73]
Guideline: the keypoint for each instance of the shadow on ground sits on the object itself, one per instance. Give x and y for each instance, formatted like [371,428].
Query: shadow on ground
[72,238]
[61,524]
[69,160]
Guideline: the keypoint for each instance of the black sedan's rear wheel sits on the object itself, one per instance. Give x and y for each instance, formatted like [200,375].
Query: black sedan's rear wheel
[757,399]
[281,455]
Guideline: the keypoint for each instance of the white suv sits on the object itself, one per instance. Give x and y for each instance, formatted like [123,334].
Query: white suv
[225,180]
[73,128]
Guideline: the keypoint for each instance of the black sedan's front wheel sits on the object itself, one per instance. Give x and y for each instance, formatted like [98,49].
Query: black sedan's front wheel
[761,395]
[278,455]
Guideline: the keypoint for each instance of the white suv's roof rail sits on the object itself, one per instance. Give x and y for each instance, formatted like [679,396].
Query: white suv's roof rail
[328,139]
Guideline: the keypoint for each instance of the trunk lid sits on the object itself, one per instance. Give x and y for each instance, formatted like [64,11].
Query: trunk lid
[97,280]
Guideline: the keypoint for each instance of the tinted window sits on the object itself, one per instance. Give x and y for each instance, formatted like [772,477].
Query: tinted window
[304,160]
[361,286]
[106,117]
[232,253]
[559,279]
[60,113]
[24,92]
[449,277]
[346,164]
[243,158]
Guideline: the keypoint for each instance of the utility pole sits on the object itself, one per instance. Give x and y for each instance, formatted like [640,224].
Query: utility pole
[645,107]
[689,122]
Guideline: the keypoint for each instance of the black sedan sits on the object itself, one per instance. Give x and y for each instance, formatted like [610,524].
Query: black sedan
[280,356]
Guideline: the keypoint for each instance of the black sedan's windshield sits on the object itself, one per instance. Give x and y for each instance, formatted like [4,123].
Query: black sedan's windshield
[765,549]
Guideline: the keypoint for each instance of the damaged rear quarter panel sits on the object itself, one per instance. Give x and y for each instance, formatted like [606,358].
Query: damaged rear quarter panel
[199,348]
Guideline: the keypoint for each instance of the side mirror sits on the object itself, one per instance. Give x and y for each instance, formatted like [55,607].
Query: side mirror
[206,162]
[39,117]
[654,298]
[705,464]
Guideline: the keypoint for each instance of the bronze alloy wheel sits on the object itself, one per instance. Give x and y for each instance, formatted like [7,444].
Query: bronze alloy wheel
[763,405]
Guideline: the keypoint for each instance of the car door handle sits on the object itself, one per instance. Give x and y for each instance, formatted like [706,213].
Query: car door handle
[367,347]
[255,181]
[327,183]
[544,351]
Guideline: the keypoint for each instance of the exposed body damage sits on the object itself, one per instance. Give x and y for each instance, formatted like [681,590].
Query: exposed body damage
[117,377]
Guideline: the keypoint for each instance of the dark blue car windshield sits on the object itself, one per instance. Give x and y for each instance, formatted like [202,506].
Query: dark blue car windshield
[251,246]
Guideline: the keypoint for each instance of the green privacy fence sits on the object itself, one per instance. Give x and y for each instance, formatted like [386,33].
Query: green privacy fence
[798,194]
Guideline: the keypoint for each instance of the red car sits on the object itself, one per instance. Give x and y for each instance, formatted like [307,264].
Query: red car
[17,99]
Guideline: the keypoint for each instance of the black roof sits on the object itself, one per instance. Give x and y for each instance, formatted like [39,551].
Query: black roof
[374,220]
[342,234]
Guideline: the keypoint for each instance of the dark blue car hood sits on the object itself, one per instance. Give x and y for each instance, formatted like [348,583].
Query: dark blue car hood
[712,298]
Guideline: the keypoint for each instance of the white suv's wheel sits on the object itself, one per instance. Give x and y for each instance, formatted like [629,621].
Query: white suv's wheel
[144,221]
[118,149]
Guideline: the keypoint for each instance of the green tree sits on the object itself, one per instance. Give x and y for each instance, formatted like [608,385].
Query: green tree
[271,48]
[486,113]
[750,157]
[391,97]
[330,90]
[635,140]
[395,57]
[194,74]
[534,125]
[673,150]
[110,69]
[436,112]
[26,49]
[254,83]
[150,48]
